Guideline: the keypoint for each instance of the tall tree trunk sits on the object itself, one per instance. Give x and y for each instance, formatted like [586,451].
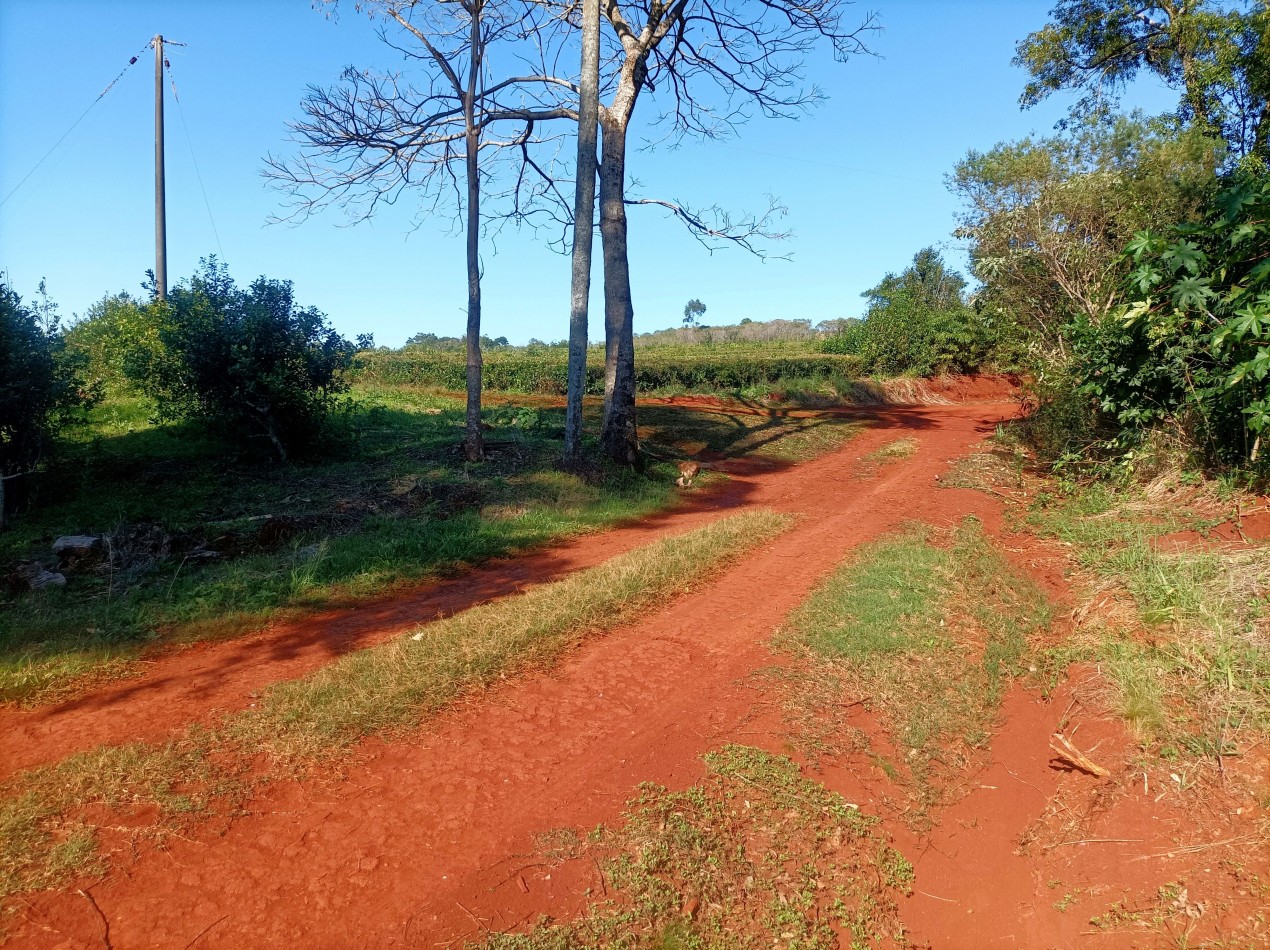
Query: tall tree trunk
[473,442]
[618,437]
[583,228]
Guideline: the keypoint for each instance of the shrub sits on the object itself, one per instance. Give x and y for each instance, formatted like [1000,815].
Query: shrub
[919,323]
[250,362]
[38,384]
[1191,347]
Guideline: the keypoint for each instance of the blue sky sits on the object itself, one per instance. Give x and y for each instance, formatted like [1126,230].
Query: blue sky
[862,176]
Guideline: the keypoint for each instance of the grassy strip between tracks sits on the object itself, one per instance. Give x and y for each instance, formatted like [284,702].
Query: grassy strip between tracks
[58,821]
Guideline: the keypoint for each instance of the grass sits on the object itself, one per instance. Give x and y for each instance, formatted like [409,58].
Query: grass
[755,856]
[894,451]
[742,431]
[929,631]
[46,833]
[389,503]
[1189,660]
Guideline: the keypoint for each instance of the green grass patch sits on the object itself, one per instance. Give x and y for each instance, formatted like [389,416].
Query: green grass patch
[928,631]
[43,824]
[753,857]
[389,502]
[1199,684]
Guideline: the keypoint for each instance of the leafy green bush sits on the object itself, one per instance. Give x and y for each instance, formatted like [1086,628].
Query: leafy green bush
[114,326]
[918,322]
[1191,347]
[250,362]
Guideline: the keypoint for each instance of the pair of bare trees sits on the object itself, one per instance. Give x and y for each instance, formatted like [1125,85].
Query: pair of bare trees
[489,99]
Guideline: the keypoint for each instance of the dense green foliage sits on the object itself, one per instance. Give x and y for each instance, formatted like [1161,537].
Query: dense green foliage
[542,370]
[1191,347]
[251,363]
[38,382]
[1048,219]
[919,322]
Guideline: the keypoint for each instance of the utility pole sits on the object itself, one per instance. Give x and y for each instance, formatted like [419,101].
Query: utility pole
[160,208]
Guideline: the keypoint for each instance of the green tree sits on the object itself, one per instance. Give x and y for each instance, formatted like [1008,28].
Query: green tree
[1216,54]
[252,363]
[39,384]
[1048,219]
[918,322]
[694,310]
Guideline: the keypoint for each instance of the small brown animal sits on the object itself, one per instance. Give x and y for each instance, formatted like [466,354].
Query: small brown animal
[687,472]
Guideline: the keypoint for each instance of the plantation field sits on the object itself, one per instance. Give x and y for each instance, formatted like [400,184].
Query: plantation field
[734,368]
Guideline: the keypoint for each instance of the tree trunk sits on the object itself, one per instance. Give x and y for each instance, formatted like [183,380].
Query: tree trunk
[473,442]
[618,437]
[583,228]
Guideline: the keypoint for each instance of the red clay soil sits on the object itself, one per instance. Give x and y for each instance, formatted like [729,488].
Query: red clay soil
[430,841]
[1249,529]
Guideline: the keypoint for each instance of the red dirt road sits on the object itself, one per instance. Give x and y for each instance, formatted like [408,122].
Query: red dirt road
[425,841]
[420,829]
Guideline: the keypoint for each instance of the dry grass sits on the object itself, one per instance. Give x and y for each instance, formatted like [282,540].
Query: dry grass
[895,451]
[397,683]
[1182,634]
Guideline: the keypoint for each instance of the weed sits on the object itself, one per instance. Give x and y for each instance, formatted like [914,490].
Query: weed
[756,855]
[1197,680]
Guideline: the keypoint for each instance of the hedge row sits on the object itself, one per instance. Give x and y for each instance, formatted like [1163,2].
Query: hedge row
[545,372]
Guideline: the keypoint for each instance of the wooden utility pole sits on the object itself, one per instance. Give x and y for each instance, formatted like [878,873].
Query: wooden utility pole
[160,208]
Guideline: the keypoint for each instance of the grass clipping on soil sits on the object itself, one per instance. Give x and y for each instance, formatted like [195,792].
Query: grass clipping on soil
[928,635]
[755,856]
[45,838]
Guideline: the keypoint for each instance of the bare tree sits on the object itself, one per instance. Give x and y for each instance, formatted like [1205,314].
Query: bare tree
[370,139]
[719,62]
[584,227]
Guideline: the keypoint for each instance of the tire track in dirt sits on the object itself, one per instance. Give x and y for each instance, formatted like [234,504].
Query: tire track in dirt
[422,841]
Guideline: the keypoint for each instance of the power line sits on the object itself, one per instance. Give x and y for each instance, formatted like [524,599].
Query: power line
[813,161]
[180,110]
[75,125]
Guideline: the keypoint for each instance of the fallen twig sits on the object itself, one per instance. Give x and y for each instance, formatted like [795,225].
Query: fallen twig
[1193,848]
[1068,753]
[1063,844]
[202,933]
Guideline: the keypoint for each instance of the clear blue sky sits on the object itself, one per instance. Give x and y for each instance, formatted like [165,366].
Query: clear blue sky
[862,176]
